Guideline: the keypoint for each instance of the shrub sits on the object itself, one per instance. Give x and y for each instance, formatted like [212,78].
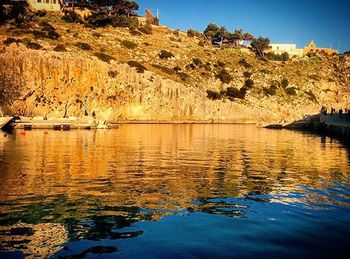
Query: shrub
[83,46]
[249,83]
[139,67]
[193,33]
[244,63]
[197,61]
[190,66]
[165,54]
[98,19]
[71,17]
[176,33]
[97,35]
[32,45]
[129,44]
[112,73]
[47,31]
[135,32]
[247,74]
[146,29]
[220,64]
[291,91]
[277,57]
[213,95]
[224,76]
[164,69]
[120,21]
[207,66]
[177,69]
[10,40]
[104,57]
[133,23]
[270,90]
[232,93]
[60,48]
[284,83]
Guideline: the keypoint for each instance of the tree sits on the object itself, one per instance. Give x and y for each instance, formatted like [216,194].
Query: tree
[211,30]
[247,36]
[236,37]
[259,45]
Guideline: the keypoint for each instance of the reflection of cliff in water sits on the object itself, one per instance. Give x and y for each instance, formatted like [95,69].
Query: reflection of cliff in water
[158,165]
[98,183]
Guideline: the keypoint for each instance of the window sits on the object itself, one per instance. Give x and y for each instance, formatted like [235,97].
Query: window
[39,1]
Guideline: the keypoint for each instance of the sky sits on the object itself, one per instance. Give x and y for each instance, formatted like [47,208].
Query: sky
[283,21]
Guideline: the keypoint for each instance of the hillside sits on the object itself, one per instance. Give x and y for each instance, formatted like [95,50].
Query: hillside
[123,77]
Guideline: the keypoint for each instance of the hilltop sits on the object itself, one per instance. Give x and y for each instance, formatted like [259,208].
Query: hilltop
[55,68]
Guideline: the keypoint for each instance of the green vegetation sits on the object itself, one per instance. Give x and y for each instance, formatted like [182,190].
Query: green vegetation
[60,48]
[129,44]
[104,57]
[83,46]
[166,54]
[284,83]
[112,73]
[259,45]
[247,74]
[213,95]
[224,76]
[193,33]
[164,69]
[139,67]
[277,57]
[71,17]
[32,45]
[10,40]
[244,63]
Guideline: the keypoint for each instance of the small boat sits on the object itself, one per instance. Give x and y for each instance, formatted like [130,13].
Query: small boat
[4,121]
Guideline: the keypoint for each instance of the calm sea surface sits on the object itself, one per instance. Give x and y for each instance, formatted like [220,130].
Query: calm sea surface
[169,191]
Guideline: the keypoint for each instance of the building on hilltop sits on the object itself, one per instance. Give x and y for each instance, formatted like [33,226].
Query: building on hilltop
[291,49]
[312,48]
[35,5]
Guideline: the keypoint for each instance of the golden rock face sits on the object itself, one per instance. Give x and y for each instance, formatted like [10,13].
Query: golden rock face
[169,90]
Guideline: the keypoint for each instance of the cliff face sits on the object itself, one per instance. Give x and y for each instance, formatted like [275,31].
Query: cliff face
[56,83]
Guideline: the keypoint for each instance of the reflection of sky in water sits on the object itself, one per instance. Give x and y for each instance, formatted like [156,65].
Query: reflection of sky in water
[180,190]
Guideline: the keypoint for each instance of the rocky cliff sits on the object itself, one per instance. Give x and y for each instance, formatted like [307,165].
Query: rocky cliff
[125,77]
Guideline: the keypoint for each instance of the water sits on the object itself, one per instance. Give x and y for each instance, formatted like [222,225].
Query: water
[156,191]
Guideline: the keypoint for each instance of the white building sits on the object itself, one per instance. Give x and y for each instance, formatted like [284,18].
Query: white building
[291,49]
[47,5]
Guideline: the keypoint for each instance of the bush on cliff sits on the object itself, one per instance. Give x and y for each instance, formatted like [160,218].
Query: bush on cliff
[213,95]
[104,57]
[166,54]
[224,76]
[139,67]
[71,17]
[32,45]
[146,29]
[10,40]
[83,46]
[129,44]
[193,33]
[60,48]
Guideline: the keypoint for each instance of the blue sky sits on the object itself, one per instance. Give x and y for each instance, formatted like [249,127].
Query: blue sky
[284,21]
